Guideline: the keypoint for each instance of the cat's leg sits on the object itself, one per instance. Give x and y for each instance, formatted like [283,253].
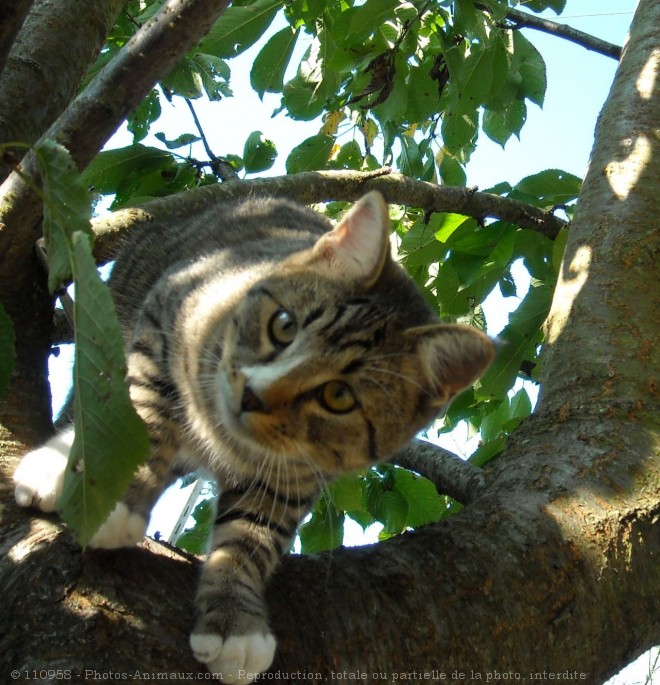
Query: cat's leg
[253,528]
[39,478]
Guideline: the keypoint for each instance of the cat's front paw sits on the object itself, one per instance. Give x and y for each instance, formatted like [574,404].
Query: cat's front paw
[237,659]
[123,528]
[39,478]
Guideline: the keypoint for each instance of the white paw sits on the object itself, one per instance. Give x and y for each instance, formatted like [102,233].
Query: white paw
[40,475]
[238,659]
[122,529]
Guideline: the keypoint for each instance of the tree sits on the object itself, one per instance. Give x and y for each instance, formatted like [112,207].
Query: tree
[551,567]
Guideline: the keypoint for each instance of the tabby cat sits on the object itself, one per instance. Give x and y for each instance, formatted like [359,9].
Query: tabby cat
[273,352]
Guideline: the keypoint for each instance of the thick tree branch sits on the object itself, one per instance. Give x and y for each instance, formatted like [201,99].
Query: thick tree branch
[12,15]
[452,475]
[92,117]
[41,65]
[321,186]
[515,19]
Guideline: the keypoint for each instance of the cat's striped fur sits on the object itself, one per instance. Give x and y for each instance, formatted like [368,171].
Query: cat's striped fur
[274,353]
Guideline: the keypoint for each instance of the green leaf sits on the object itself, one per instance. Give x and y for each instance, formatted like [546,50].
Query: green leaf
[420,244]
[541,5]
[179,141]
[520,408]
[324,530]
[7,349]
[215,74]
[410,160]
[139,188]
[145,114]
[491,424]
[548,188]
[424,504]
[384,503]
[239,27]
[312,154]
[303,100]
[451,171]
[500,126]
[185,79]
[423,95]
[459,124]
[518,341]
[476,78]
[196,539]
[103,459]
[395,107]
[507,284]
[67,209]
[259,153]
[532,69]
[488,451]
[358,23]
[110,168]
[348,493]
[269,67]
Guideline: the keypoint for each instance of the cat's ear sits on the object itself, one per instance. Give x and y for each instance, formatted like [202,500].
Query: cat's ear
[452,357]
[358,245]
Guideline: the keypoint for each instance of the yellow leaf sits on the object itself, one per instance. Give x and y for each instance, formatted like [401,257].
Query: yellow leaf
[369,131]
[331,124]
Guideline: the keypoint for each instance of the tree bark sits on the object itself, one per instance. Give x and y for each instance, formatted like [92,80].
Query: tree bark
[319,186]
[41,67]
[552,571]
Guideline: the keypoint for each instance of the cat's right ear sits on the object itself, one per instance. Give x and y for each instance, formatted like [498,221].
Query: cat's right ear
[451,357]
[357,247]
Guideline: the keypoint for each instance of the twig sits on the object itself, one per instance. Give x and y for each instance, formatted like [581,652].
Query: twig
[321,186]
[523,20]
[452,475]
[220,166]
[200,130]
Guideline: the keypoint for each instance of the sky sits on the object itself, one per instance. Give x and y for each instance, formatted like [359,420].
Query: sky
[558,136]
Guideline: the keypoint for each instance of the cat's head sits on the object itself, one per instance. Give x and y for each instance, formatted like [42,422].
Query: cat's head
[335,356]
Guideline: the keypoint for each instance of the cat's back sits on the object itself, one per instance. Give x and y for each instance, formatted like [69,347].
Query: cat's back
[232,234]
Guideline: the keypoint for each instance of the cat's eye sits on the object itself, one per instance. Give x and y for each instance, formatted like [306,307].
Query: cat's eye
[282,328]
[337,397]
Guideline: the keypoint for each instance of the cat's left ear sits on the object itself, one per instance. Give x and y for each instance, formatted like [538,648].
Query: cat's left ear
[452,357]
[358,245]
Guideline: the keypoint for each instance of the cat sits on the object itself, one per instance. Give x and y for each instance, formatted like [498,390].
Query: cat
[273,351]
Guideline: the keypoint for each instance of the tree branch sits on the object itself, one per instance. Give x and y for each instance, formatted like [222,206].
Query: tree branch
[92,117]
[452,475]
[320,186]
[219,165]
[41,63]
[515,19]
[12,15]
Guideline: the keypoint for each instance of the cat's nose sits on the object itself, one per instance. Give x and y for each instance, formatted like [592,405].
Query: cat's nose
[250,401]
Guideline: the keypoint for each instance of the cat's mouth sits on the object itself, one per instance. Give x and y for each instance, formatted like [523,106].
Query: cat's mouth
[246,419]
